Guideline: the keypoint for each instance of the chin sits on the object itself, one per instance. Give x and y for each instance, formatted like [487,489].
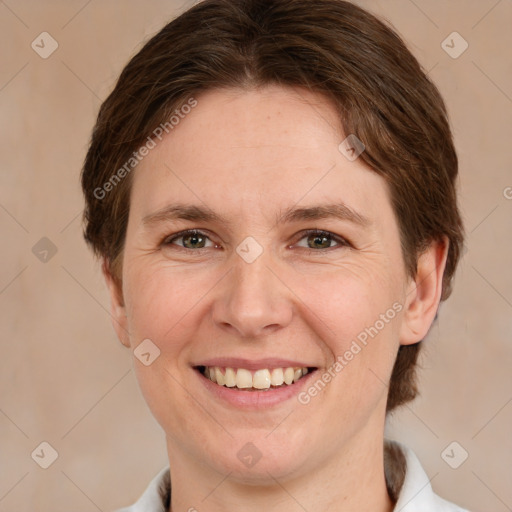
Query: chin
[258,459]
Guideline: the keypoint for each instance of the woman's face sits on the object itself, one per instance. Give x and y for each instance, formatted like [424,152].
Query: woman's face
[252,171]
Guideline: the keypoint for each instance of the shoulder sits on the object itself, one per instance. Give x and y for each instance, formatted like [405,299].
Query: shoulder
[156,497]
[416,493]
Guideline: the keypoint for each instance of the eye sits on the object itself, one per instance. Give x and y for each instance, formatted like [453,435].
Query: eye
[315,240]
[190,239]
[318,239]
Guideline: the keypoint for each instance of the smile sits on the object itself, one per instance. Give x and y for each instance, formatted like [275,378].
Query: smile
[253,380]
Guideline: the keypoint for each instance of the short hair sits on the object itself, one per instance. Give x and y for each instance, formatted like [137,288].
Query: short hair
[331,47]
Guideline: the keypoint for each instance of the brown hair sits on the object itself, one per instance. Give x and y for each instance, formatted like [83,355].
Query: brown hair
[328,46]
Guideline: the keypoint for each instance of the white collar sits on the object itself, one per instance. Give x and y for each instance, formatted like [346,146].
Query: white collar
[415,495]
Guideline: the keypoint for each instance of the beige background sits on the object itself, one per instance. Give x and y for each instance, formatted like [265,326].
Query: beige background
[66,380]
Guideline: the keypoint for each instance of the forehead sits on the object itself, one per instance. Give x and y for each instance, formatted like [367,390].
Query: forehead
[256,151]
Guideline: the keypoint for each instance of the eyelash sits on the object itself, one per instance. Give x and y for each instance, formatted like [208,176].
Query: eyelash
[342,242]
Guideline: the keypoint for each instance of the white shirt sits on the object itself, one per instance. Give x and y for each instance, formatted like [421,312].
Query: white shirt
[415,493]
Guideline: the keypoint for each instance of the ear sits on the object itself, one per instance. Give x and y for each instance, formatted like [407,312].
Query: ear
[424,293]
[117,307]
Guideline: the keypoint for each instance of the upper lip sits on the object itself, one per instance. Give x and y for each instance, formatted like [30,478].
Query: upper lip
[253,364]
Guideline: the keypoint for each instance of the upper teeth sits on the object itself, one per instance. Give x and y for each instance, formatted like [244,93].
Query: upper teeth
[259,379]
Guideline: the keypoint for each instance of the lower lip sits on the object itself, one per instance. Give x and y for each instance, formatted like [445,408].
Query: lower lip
[254,399]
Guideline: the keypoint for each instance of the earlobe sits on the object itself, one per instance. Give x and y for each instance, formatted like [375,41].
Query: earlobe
[117,306]
[424,293]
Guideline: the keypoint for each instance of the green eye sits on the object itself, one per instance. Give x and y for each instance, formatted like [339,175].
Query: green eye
[318,240]
[190,239]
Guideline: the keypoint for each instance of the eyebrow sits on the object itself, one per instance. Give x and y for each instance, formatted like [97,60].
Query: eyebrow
[338,211]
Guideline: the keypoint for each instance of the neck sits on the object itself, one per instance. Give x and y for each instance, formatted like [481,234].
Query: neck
[349,479]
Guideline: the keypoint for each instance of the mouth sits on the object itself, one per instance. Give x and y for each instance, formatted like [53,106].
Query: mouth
[246,380]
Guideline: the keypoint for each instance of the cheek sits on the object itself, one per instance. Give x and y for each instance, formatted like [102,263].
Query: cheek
[358,320]
[348,301]
[163,306]
[160,300]
[337,305]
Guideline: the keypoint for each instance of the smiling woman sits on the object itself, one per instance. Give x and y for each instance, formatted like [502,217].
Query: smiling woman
[277,257]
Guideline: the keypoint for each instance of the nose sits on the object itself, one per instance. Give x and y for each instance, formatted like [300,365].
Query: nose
[252,301]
